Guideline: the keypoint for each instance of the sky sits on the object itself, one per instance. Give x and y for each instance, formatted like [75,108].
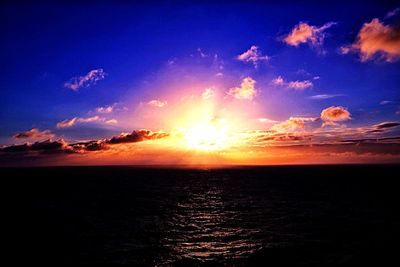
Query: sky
[199,83]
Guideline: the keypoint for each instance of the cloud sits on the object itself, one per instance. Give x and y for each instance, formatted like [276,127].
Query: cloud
[88,80]
[47,146]
[72,122]
[334,114]
[111,121]
[201,53]
[246,90]
[324,96]
[157,103]
[208,93]
[253,55]
[136,136]
[376,40]
[296,85]
[60,146]
[106,109]
[279,81]
[392,13]
[292,124]
[34,134]
[67,123]
[305,33]
[266,120]
[385,102]
[386,125]
[300,85]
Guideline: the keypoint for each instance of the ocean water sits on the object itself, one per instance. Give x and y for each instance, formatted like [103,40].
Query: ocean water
[298,215]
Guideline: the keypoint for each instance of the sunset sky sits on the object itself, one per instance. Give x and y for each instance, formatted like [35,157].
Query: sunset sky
[244,83]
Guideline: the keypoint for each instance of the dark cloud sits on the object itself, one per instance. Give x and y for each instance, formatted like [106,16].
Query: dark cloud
[49,146]
[385,125]
[34,133]
[44,146]
[136,136]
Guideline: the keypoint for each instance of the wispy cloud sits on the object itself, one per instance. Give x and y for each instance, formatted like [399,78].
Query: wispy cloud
[392,13]
[87,80]
[296,85]
[324,96]
[106,109]
[376,40]
[246,90]
[253,55]
[306,33]
[208,93]
[72,122]
[157,103]
[34,134]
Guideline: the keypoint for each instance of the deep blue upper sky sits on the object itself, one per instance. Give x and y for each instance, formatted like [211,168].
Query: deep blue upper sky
[44,45]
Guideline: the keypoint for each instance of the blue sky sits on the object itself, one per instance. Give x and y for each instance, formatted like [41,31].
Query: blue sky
[143,49]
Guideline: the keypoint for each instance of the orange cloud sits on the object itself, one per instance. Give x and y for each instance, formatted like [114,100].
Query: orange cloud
[334,114]
[305,33]
[292,124]
[246,90]
[375,38]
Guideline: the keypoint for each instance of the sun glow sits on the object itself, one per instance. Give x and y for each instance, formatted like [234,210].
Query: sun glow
[211,136]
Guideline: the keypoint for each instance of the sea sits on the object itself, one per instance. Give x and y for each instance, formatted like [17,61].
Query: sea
[321,215]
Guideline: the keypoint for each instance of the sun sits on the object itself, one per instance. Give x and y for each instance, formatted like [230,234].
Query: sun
[208,136]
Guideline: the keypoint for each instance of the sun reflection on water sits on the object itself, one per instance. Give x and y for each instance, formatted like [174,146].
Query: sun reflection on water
[202,228]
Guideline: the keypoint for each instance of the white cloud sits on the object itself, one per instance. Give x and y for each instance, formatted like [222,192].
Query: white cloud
[85,81]
[106,109]
[266,120]
[157,103]
[112,121]
[324,96]
[296,85]
[72,122]
[300,85]
[253,55]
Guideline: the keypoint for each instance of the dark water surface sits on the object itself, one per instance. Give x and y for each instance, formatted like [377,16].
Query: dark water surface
[302,215]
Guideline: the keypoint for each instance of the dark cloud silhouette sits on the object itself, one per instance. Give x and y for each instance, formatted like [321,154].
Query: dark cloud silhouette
[34,133]
[44,146]
[49,146]
[136,136]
